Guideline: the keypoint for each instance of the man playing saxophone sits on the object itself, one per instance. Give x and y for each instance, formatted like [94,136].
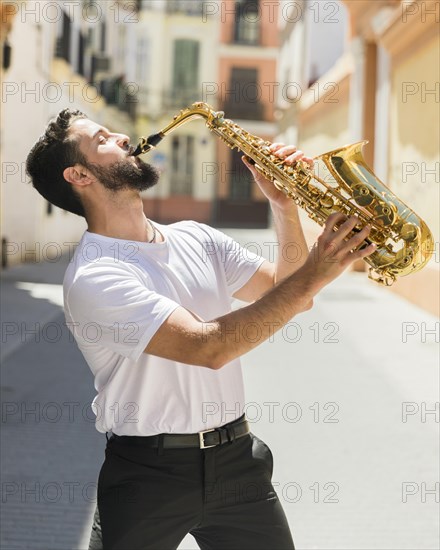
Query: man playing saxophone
[160,297]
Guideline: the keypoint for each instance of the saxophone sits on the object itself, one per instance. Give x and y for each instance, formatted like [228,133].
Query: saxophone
[404,241]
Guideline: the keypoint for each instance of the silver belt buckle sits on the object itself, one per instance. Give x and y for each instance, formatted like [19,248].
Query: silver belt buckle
[202,441]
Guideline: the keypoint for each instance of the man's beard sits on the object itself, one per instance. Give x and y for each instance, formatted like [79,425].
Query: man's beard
[124,174]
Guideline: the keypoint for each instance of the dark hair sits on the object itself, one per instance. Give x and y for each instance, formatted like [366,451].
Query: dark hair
[49,157]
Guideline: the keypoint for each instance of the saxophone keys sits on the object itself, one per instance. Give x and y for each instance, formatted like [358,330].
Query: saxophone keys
[408,232]
[406,260]
[326,202]
[384,214]
[362,195]
[386,279]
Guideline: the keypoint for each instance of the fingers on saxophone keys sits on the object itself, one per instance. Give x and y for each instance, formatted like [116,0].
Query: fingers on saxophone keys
[285,151]
[309,161]
[298,155]
[289,154]
[295,157]
[348,226]
[333,220]
[335,237]
[352,244]
[356,240]
[365,251]
[275,146]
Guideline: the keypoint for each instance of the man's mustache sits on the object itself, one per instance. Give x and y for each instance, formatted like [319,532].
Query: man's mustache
[130,150]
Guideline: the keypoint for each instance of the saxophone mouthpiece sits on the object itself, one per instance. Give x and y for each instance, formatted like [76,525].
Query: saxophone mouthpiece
[137,151]
[146,145]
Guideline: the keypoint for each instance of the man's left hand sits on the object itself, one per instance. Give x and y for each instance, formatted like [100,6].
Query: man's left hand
[290,155]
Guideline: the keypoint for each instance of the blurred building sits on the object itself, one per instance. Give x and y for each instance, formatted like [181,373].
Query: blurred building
[57,55]
[131,66]
[224,53]
[246,91]
[358,70]
[177,57]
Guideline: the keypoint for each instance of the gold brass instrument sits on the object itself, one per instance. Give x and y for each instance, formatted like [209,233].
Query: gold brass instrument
[404,242]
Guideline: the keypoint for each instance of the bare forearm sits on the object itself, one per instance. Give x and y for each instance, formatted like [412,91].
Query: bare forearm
[240,331]
[292,249]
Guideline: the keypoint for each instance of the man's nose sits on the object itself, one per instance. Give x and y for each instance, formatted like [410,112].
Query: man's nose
[123,141]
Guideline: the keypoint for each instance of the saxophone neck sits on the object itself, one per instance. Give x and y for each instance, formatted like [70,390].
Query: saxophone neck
[197,110]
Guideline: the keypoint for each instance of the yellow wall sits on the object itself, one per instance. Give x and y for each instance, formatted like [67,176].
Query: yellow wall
[414,133]
[325,132]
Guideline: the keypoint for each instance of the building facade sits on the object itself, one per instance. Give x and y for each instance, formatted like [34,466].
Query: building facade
[177,60]
[246,91]
[131,66]
[54,57]
[379,81]
[223,53]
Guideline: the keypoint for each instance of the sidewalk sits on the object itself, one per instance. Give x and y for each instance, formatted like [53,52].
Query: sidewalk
[342,395]
[50,450]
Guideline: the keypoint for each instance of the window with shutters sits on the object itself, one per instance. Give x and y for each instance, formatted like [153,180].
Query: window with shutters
[243,98]
[185,70]
[63,41]
[81,54]
[142,61]
[103,37]
[182,165]
[247,22]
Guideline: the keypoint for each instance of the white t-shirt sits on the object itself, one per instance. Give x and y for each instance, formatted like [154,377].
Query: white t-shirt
[117,293]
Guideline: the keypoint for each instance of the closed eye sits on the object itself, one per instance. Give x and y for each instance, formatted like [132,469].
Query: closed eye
[99,135]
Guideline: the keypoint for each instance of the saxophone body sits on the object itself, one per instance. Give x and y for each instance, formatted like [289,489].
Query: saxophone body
[404,242]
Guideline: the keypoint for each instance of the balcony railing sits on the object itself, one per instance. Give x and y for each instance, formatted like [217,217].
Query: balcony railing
[169,100]
[177,99]
[100,67]
[186,7]
[246,33]
[116,93]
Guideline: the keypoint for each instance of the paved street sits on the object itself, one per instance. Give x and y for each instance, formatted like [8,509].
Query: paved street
[342,396]
[47,497]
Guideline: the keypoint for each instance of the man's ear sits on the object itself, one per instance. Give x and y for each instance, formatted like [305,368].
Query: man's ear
[77,175]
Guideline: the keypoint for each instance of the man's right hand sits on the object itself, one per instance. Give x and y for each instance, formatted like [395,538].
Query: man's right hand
[332,254]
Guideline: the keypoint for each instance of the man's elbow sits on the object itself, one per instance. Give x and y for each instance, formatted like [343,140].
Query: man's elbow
[215,366]
[216,362]
[219,356]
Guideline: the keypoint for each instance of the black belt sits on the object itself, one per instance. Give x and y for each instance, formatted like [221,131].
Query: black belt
[203,440]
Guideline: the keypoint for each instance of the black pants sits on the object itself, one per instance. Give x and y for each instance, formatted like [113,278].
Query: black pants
[223,496]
